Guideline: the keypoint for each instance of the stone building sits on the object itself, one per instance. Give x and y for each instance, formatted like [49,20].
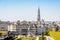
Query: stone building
[4,25]
[12,27]
[24,28]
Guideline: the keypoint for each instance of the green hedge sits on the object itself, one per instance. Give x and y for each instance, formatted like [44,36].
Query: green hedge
[27,38]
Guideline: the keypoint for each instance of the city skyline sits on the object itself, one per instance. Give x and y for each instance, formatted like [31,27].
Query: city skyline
[13,10]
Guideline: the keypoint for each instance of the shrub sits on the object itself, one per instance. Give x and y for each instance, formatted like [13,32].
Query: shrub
[40,38]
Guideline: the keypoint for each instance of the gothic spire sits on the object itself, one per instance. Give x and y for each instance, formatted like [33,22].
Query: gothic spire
[38,15]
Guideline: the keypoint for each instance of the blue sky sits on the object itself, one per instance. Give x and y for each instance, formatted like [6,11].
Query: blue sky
[14,10]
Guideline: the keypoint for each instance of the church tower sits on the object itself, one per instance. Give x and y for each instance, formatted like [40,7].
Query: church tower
[38,18]
[38,15]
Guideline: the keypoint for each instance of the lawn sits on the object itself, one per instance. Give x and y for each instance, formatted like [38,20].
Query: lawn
[55,35]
